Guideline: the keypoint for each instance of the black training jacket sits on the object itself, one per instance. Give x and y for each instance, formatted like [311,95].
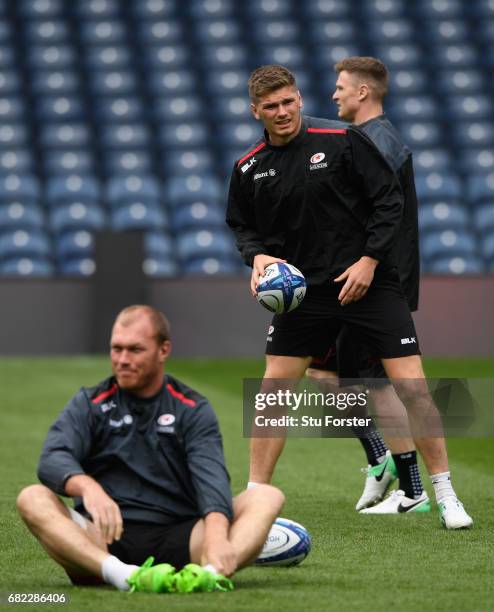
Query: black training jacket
[321,202]
[161,459]
[384,135]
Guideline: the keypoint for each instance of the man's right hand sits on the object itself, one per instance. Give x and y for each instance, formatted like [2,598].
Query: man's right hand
[260,263]
[104,512]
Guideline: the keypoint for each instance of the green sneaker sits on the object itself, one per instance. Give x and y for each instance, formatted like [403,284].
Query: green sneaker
[195,579]
[377,482]
[157,579]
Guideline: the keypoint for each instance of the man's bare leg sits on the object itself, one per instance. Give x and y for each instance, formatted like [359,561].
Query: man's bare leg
[265,452]
[254,511]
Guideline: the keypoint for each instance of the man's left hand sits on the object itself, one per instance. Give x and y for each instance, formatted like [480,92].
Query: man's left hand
[358,279]
[221,555]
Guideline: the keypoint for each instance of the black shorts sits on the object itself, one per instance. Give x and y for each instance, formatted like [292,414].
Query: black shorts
[352,361]
[167,543]
[381,320]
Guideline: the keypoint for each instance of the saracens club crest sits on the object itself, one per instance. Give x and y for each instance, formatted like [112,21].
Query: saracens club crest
[317,161]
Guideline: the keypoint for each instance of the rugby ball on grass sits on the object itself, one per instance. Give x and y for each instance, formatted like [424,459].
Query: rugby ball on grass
[288,544]
[281,288]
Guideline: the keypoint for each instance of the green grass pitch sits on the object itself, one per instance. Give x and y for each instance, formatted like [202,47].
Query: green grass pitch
[357,562]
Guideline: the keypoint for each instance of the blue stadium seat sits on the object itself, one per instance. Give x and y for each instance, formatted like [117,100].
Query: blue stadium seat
[413,108]
[118,109]
[180,190]
[164,32]
[383,9]
[485,30]
[72,188]
[487,249]
[19,188]
[102,31]
[174,56]
[138,216]
[114,83]
[397,30]
[438,187]
[285,54]
[224,31]
[401,56]
[10,82]
[197,161]
[211,266]
[51,31]
[85,266]
[74,244]
[60,108]
[483,218]
[483,9]
[59,82]
[448,243]
[454,31]
[185,135]
[77,216]
[227,82]
[233,108]
[26,266]
[324,56]
[207,9]
[480,188]
[178,109]
[51,57]
[122,190]
[330,32]
[326,9]
[457,265]
[474,161]
[108,57]
[16,161]
[199,244]
[443,215]
[123,162]
[7,57]
[68,162]
[197,215]
[5,31]
[20,216]
[25,243]
[468,134]
[472,107]
[421,134]
[159,244]
[39,9]
[162,267]
[439,9]
[409,82]
[232,135]
[455,56]
[224,56]
[274,32]
[429,160]
[124,136]
[171,83]
[96,9]
[458,82]
[13,135]
[64,135]
[153,9]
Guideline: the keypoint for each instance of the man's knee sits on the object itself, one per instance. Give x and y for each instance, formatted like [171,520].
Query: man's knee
[268,497]
[279,366]
[31,501]
[317,375]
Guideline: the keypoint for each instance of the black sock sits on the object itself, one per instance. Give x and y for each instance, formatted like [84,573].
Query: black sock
[408,473]
[374,446]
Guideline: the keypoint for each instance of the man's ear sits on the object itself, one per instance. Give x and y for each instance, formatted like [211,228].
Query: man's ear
[253,109]
[165,350]
[363,92]
[300,99]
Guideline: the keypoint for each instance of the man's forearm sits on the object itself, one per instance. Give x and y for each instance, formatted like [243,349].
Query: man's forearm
[77,485]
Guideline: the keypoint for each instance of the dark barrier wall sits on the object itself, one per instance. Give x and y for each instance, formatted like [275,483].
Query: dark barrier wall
[218,317]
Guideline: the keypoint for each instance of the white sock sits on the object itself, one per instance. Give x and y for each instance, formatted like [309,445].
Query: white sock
[115,572]
[251,484]
[442,485]
[211,569]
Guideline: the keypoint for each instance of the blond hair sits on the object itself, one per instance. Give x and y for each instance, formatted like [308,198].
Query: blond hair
[370,69]
[158,320]
[267,79]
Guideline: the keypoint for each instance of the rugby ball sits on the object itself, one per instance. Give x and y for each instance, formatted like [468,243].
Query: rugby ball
[288,544]
[281,288]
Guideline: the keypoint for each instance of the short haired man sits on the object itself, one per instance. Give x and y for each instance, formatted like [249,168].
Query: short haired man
[142,455]
[320,195]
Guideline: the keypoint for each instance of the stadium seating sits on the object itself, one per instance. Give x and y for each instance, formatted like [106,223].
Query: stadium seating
[129,115]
